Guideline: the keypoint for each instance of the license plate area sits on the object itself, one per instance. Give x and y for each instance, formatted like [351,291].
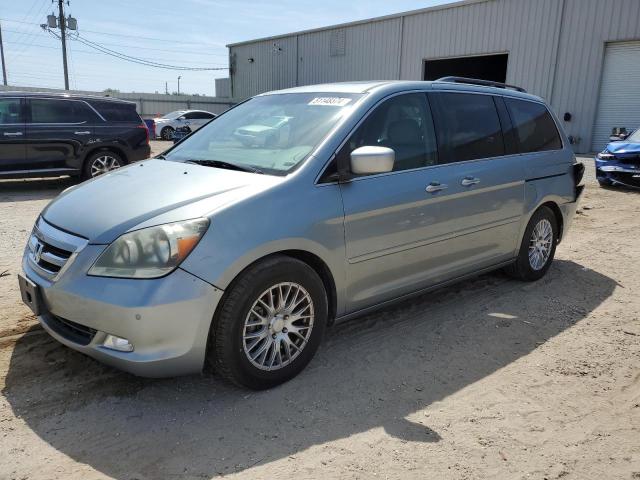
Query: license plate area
[31,295]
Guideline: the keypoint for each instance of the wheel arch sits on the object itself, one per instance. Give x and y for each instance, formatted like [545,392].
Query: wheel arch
[312,260]
[106,148]
[555,208]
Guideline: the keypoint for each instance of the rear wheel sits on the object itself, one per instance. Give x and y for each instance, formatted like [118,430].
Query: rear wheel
[100,163]
[269,324]
[538,247]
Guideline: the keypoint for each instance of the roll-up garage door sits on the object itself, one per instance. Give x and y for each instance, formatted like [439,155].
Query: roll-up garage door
[619,102]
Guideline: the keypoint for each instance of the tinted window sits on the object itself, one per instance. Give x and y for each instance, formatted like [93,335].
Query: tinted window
[52,111]
[198,115]
[10,110]
[84,113]
[404,124]
[468,126]
[535,129]
[116,111]
[61,111]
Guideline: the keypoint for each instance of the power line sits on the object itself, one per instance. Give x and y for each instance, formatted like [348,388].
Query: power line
[141,61]
[156,39]
[92,52]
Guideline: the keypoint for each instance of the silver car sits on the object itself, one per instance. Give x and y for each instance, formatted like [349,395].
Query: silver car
[238,254]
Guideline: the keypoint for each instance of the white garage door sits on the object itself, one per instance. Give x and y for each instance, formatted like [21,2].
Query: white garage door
[619,103]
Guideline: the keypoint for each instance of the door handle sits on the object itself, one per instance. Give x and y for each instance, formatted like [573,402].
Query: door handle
[468,181]
[12,134]
[435,187]
[86,132]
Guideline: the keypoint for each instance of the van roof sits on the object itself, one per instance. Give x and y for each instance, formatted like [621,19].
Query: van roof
[393,86]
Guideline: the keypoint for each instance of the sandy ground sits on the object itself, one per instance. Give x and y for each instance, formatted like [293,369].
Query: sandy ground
[490,378]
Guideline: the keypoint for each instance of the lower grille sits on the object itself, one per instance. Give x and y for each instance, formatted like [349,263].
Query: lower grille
[626,178]
[72,331]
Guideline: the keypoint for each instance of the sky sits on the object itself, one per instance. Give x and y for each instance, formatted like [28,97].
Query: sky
[190,33]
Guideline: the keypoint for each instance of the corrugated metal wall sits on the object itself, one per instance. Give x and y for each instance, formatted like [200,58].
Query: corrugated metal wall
[555,49]
[527,30]
[619,100]
[588,25]
[371,52]
[150,104]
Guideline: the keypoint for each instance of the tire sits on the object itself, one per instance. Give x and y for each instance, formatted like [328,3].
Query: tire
[101,162]
[230,353]
[526,268]
[166,133]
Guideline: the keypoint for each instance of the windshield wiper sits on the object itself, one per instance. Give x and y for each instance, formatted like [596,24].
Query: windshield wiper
[227,165]
[160,157]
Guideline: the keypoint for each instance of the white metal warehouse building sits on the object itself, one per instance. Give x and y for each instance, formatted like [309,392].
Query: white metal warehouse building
[583,56]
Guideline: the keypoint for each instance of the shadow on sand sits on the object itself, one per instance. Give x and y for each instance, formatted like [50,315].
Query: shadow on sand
[20,190]
[370,372]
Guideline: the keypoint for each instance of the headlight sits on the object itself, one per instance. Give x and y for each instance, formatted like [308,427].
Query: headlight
[151,252]
[605,155]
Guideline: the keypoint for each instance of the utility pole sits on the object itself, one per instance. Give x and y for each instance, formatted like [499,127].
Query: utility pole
[179,77]
[4,67]
[166,88]
[63,34]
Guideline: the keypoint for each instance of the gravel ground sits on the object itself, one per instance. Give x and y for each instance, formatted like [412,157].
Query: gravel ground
[490,378]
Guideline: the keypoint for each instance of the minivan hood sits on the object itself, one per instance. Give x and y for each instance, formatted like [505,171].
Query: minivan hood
[623,147]
[149,193]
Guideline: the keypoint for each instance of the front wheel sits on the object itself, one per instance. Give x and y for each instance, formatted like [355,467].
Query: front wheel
[270,323]
[538,247]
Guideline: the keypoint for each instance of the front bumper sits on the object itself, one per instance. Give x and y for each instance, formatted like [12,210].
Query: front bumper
[627,174]
[166,319]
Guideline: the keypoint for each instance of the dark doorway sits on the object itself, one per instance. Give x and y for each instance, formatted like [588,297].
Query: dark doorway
[485,67]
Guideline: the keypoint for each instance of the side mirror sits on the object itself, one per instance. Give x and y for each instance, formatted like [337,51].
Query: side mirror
[368,160]
[182,118]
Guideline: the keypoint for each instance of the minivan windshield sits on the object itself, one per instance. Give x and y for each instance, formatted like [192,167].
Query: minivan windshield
[272,133]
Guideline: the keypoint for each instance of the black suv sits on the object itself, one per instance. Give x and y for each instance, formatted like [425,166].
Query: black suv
[44,135]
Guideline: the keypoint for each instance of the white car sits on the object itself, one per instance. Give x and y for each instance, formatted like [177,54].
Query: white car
[192,119]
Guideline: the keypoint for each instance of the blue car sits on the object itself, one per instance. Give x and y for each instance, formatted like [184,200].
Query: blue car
[619,162]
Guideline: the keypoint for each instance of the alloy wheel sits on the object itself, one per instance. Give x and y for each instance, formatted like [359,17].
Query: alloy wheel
[278,326]
[540,244]
[104,164]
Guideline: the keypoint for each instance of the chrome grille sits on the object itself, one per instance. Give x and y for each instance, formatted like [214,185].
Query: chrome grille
[50,250]
[46,256]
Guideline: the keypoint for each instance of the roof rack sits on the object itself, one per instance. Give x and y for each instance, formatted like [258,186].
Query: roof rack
[477,81]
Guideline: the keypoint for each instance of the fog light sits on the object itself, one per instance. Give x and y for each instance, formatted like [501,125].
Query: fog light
[116,343]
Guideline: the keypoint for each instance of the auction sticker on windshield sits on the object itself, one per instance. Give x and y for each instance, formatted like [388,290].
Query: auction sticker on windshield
[330,101]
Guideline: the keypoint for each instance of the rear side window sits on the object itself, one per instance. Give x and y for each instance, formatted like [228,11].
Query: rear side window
[467,125]
[535,129]
[404,124]
[60,111]
[10,111]
[117,112]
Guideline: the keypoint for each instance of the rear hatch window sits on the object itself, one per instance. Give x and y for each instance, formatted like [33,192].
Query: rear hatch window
[117,112]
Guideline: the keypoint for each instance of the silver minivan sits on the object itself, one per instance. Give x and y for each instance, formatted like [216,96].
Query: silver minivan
[295,209]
